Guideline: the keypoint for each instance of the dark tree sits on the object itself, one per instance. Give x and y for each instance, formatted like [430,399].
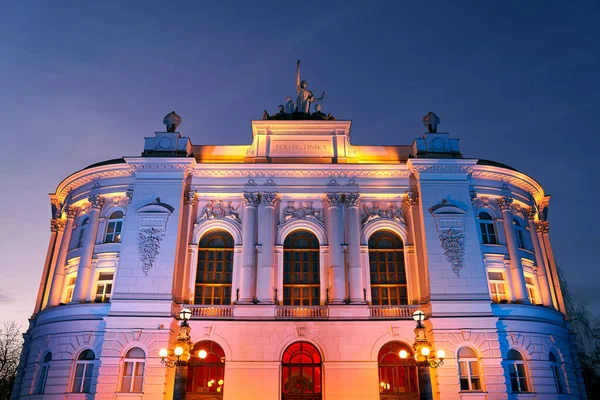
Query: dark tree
[11,342]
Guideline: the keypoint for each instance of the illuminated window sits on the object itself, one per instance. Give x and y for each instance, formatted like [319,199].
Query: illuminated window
[488,232]
[40,387]
[516,371]
[81,233]
[104,287]
[114,227]
[301,372]
[497,286]
[215,266]
[84,370]
[208,374]
[71,279]
[133,370]
[557,374]
[397,377]
[468,370]
[520,232]
[530,285]
[301,280]
[388,275]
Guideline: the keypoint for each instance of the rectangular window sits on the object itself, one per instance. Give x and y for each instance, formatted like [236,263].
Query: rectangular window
[530,284]
[104,287]
[518,380]
[497,286]
[560,388]
[41,383]
[469,375]
[488,234]
[70,288]
[133,376]
[83,377]
[80,238]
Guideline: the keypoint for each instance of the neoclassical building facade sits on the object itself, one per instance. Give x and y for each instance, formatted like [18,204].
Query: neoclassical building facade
[302,259]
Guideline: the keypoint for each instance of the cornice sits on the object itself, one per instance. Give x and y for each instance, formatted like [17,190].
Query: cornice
[514,178]
[88,175]
[299,171]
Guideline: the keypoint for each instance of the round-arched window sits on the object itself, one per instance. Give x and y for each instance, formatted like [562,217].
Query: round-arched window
[388,275]
[301,372]
[397,377]
[301,282]
[208,373]
[215,268]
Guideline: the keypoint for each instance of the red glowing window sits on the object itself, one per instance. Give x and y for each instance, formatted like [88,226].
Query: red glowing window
[301,372]
[397,378]
[208,374]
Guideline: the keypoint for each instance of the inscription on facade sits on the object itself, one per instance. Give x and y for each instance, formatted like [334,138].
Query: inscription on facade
[300,148]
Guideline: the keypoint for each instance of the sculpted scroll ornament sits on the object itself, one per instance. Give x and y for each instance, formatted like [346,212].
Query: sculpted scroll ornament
[149,246]
[292,213]
[379,209]
[220,210]
[453,243]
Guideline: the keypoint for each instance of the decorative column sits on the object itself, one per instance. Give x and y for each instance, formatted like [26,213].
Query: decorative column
[543,231]
[539,260]
[264,286]
[516,267]
[336,267]
[353,236]
[59,265]
[186,246]
[85,264]
[419,270]
[57,227]
[251,202]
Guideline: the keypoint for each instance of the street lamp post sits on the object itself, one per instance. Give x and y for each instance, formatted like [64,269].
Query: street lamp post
[423,358]
[179,357]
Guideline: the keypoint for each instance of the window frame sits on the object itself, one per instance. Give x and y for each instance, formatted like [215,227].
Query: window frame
[87,364]
[394,372]
[81,232]
[40,385]
[305,351]
[520,234]
[394,290]
[134,377]
[469,361]
[495,283]
[105,297]
[301,283]
[485,235]
[70,281]
[531,287]
[212,366]
[513,367]
[557,373]
[116,224]
[209,289]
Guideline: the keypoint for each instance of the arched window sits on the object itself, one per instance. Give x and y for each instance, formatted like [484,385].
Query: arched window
[468,370]
[301,280]
[114,227]
[84,370]
[488,232]
[43,376]
[520,232]
[133,370]
[557,374]
[215,266]
[397,378]
[516,371]
[208,374]
[81,233]
[388,275]
[301,372]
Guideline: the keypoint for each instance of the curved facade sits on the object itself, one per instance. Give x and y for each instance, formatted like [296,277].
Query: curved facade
[302,258]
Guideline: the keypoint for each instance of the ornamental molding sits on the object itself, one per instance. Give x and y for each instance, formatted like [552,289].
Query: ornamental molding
[63,191]
[522,181]
[382,209]
[449,219]
[185,168]
[136,334]
[299,173]
[219,209]
[152,226]
[448,169]
[293,212]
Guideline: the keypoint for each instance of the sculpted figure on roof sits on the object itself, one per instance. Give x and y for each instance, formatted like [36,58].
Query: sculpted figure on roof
[305,96]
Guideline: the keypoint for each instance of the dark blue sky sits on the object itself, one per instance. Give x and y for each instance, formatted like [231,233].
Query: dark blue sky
[85,81]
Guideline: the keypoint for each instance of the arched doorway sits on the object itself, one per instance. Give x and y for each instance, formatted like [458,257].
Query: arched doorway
[206,380]
[397,378]
[301,372]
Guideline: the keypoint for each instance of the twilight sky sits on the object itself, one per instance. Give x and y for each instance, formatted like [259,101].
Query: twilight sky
[85,81]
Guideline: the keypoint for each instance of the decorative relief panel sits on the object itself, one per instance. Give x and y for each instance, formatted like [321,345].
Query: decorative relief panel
[449,220]
[382,209]
[151,231]
[218,209]
[302,211]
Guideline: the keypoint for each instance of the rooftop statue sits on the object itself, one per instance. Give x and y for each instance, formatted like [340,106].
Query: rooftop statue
[305,96]
[431,121]
[172,121]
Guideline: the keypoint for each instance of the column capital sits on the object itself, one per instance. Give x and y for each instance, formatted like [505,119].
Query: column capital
[352,199]
[96,201]
[72,211]
[57,224]
[190,197]
[334,199]
[412,198]
[504,202]
[530,213]
[251,199]
[128,196]
[542,227]
[269,199]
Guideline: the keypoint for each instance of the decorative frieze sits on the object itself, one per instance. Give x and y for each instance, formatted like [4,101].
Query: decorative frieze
[292,213]
[220,210]
[382,209]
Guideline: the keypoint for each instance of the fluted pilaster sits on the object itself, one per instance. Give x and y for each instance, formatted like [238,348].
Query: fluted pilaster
[264,287]
[251,202]
[336,268]
[352,201]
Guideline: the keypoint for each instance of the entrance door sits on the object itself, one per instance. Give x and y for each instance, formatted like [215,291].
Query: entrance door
[301,372]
